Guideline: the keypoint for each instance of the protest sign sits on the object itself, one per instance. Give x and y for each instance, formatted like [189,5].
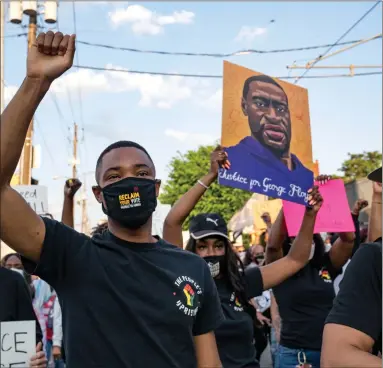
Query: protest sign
[271,207]
[334,215]
[159,217]
[266,133]
[35,195]
[17,343]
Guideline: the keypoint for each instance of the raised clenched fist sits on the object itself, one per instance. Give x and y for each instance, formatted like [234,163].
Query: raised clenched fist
[50,56]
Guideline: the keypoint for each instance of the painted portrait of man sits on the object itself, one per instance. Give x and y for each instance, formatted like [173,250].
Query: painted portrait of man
[262,161]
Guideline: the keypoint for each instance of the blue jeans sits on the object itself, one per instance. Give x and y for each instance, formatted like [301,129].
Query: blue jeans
[291,358]
[274,346]
[48,351]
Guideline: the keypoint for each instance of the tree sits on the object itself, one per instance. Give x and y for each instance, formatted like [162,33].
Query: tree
[359,165]
[185,170]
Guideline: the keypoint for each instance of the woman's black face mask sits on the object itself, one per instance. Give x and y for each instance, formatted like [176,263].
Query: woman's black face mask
[130,201]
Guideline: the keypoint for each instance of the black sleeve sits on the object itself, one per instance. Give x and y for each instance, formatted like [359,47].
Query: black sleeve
[24,306]
[210,314]
[61,246]
[254,282]
[355,218]
[359,302]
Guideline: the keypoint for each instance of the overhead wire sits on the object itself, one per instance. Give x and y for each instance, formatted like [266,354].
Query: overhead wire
[337,42]
[216,76]
[218,55]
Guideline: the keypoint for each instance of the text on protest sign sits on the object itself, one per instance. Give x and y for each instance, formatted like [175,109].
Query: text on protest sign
[17,343]
[35,195]
[334,215]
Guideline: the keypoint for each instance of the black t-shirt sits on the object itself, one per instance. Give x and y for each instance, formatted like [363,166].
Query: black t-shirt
[127,304]
[15,300]
[359,302]
[304,301]
[235,335]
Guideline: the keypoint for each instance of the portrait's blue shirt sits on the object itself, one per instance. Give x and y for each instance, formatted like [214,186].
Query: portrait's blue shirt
[257,169]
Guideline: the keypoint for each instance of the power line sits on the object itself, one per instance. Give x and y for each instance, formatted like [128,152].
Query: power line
[216,76]
[14,35]
[339,39]
[216,55]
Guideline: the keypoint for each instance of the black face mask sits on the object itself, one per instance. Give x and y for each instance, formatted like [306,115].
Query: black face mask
[260,258]
[130,201]
[216,265]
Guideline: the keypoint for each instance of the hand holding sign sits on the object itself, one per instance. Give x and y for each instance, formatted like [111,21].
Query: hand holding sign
[39,360]
[315,200]
[218,159]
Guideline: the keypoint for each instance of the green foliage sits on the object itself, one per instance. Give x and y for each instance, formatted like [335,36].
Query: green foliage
[185,170]
[359,165]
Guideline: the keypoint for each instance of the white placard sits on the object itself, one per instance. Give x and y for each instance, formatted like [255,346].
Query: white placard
[159,217]
[35,195]
[17,343]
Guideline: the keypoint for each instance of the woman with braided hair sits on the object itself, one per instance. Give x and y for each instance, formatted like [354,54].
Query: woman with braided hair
[236,286]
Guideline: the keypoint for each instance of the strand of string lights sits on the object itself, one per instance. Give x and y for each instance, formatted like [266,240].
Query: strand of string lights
[218,55]
[216,76]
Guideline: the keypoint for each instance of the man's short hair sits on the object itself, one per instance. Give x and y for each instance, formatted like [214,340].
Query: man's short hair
[119,144]
[259,78]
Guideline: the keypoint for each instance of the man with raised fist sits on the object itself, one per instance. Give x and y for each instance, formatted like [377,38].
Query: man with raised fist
[125,295]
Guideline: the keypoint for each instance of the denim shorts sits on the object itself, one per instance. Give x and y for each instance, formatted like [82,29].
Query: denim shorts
[291,358]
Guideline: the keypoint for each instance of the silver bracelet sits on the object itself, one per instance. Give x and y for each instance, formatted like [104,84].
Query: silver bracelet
[200,183]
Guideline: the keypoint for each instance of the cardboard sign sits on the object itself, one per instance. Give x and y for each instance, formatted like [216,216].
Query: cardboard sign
[17,343]
[259,208]
[334,215]
[266,133]
[35,195]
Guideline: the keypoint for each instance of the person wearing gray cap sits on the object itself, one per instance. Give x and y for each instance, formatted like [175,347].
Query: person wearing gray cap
[353,332]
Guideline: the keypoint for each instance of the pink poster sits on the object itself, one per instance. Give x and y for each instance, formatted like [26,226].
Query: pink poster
[334,215]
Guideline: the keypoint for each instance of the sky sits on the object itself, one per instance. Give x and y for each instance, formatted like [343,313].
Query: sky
[175,114]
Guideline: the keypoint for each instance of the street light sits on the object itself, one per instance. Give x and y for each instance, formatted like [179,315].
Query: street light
[15,12]
[30,7]
[50,11]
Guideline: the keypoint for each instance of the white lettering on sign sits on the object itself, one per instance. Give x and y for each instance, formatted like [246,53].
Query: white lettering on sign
[17,343]
[35,195]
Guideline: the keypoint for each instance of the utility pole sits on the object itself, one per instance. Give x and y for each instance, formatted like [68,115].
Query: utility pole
[26,162]
[74,162]
[84,220]
[2,16]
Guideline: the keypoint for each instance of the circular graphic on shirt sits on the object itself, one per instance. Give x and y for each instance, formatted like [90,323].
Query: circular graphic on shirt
[325,275]
[187,295]
[237,306]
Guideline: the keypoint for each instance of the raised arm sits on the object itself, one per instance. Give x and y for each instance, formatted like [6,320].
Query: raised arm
[50,56]
[70,189]
[277,236]
[298,256]
[359,205]
[375,221]
[172,232]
